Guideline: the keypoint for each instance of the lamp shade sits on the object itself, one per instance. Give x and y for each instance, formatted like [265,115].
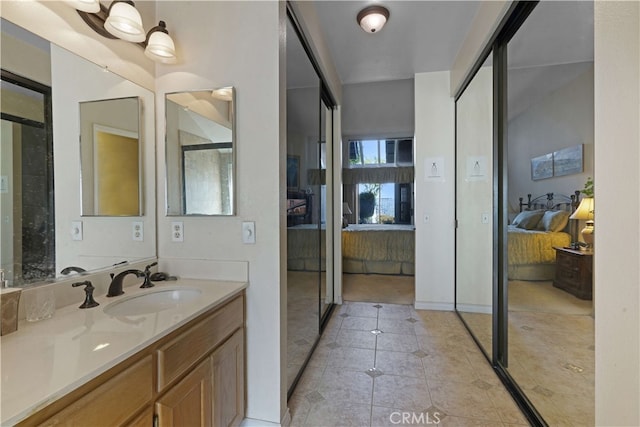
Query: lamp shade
[124,22]
[585,210]
[373,18]
[160,45]
[89,6]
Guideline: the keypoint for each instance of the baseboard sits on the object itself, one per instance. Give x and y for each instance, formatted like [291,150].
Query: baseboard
[253,422]
[475,308]
[434,306]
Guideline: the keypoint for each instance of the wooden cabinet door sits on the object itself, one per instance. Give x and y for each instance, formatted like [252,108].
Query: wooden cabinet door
[228,382]
[188,403]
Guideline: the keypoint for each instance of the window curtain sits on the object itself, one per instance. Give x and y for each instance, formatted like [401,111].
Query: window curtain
[381,175]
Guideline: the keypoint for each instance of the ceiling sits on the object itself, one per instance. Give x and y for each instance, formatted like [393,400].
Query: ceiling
[425,36]
[420,36]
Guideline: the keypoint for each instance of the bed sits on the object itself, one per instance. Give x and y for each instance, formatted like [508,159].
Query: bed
[366,248]
[542,224]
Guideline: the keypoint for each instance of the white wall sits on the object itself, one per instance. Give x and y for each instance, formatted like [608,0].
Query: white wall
[562,119]
[434,137]
[237,44]
[617,217]
[380,109]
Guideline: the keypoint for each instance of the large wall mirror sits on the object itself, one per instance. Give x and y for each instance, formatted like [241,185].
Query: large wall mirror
[200,138]
[45,223]
[110,154]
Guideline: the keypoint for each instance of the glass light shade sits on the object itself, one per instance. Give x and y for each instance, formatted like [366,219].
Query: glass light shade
[373,18]
[89,6]
[160,48]
[224,93]
[585,210]
[124,22]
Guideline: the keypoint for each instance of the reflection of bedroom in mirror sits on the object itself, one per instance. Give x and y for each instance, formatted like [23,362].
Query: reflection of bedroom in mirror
[310,294]
[378,241]
[550,307]
[200,152]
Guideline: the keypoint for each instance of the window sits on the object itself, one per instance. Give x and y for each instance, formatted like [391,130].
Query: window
[380,152]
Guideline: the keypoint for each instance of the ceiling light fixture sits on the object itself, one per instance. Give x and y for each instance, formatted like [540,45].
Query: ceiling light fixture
[373,18]
[122,21]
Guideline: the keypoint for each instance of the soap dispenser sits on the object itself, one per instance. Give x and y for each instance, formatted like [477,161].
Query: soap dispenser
[9,300]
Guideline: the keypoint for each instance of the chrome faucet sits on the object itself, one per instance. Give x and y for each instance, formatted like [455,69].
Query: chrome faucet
[115,288]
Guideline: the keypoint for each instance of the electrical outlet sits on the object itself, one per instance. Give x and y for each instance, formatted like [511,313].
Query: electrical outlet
[177,231]
[76,230]
[137,230]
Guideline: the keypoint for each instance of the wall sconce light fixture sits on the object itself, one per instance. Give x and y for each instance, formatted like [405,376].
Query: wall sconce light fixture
[373,18]
[122,21]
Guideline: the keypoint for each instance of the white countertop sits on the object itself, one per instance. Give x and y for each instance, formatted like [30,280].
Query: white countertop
[45,360]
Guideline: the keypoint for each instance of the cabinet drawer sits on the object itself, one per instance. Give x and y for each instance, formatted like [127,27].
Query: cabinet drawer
[567,262]
[179,355]
[113,402]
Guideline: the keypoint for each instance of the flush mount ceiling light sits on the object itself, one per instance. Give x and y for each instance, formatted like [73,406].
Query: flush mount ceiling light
[373,18]
[122,21]
[160,46]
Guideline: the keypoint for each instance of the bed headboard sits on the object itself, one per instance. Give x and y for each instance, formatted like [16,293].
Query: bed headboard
[299,208]
[551,201]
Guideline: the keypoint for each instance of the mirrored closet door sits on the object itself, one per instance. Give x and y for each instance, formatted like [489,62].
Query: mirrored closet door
[538,328]
[474,206]
[308,205]
[549,142]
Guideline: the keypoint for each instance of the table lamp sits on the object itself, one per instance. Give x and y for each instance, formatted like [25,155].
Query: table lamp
[345,211]
[585,212]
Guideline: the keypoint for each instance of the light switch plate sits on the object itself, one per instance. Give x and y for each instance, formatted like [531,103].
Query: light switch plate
[249,232]
[76,230]
[485,218]
[177,231]
[137,230]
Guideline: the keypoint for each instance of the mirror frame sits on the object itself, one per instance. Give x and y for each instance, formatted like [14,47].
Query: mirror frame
[234,158]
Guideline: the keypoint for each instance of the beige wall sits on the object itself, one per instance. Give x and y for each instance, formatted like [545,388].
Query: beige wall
[617,214]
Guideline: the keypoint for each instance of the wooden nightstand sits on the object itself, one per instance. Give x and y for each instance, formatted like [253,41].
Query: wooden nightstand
[574,272]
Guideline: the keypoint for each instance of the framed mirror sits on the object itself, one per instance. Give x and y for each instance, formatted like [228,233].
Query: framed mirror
[200,152]
[110,156]
[45,88]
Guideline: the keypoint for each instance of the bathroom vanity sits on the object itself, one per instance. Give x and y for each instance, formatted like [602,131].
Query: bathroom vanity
[181,365]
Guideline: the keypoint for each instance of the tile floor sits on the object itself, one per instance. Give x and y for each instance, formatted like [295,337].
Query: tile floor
[426,367]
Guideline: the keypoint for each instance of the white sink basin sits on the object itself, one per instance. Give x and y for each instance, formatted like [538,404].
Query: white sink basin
[152,302]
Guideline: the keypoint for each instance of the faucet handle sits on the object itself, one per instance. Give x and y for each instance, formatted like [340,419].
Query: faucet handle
[89,302]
